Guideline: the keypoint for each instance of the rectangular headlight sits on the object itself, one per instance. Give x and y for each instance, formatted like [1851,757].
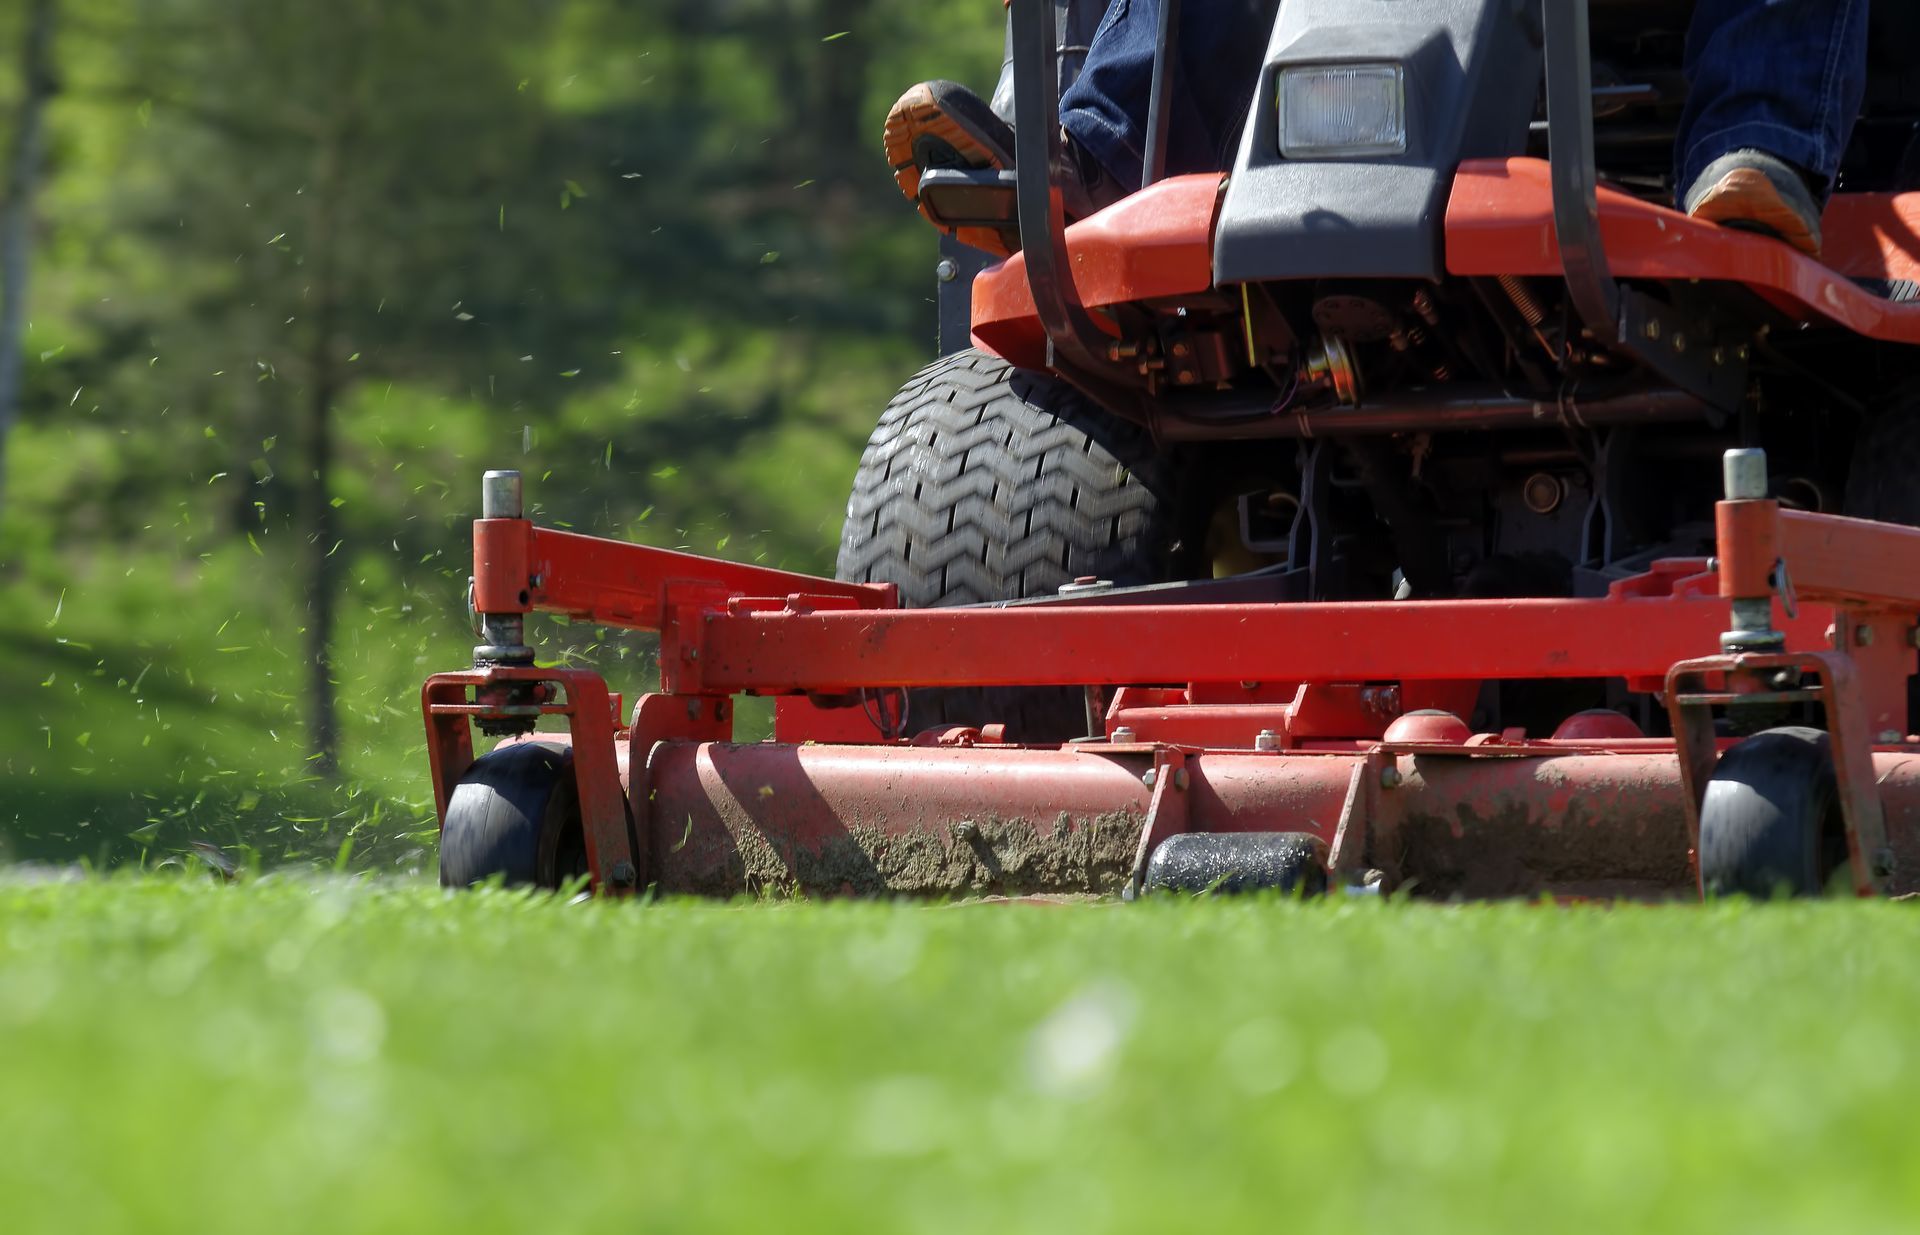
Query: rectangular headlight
[1334,110]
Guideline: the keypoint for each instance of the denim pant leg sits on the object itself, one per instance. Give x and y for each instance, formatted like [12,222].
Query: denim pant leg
[1222,44]
[1784,76]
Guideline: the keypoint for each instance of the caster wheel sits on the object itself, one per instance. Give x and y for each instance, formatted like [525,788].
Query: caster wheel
[1770,821]
[1235,862]
[515,815]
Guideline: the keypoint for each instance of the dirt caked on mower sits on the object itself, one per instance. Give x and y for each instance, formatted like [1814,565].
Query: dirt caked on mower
[1425,509]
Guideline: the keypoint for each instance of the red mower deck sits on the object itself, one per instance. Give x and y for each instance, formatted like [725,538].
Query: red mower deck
[1292,718]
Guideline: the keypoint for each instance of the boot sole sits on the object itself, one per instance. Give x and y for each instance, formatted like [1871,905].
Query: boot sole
[918,114]
[1745,198]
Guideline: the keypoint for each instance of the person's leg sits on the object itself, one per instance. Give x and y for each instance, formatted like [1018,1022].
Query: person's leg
[938,124]
[1221,45]
[1771,83]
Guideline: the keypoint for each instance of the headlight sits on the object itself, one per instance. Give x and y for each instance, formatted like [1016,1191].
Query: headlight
[1331,110]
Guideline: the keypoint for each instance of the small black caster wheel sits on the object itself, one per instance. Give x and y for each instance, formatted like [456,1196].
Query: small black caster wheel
[1770,821]
[1236,862]
[515,815]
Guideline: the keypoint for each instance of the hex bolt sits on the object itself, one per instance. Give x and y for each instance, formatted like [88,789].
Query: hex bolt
[1266,739]
[623,875]
[1179,778]
[1150,776]
[1653,329]
[501,495]
[946,271]
[966,831]
[1863,635]
[1124,736]
[1390,778]
[1745,474]
[1680,343]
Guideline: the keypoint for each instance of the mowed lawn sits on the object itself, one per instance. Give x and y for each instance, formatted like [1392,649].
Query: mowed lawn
[294,1055]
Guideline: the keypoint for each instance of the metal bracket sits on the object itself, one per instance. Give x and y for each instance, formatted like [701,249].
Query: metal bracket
[1682,350]
[1076,346]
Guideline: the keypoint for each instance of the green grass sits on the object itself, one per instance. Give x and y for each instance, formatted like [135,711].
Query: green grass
[337,1056]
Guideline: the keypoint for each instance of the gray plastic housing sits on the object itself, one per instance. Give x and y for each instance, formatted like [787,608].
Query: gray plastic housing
[1473,73]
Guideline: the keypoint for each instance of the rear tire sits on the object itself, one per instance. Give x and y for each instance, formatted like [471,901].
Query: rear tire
[984,482]
[515,816]
[1770,821]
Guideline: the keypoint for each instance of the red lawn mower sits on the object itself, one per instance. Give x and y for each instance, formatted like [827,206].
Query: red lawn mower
[1448,519]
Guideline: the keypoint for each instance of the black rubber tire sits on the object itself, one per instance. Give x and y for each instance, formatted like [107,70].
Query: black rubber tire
[1770,821]
[985,482]
[1234,863]
[515,815]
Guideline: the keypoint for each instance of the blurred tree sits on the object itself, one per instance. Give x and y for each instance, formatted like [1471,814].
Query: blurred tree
[17,200]
[331,175]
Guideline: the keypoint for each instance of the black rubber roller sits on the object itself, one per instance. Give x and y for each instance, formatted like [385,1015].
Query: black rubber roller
[1237,862]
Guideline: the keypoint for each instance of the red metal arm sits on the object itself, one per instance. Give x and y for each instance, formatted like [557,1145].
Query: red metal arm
[773,652]
[1829,559]
[520,568]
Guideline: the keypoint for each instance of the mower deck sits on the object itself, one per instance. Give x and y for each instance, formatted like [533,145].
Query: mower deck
[1338,721]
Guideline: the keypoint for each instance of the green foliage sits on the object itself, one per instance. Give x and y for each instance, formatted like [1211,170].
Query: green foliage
[647,252]
[324,1056]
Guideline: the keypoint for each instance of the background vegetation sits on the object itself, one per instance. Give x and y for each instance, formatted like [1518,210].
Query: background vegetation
[300,271]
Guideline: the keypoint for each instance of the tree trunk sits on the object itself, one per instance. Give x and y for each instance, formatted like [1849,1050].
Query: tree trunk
[16,212]
[313,484]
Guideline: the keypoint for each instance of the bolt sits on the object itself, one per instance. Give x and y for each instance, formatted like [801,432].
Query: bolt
[1719,355]
[1653,329]
[1713,565]
[1785,679]
[1124,736]
[1888,737]
[1390,778]
[1913,636]
[1181,349]
[1883,862]
[966,831]
[1266,739]
[1186,377]
[1179,778]
[1149,776]
[1680,343]
[946,271]
[623,875]
[1740,353]
[1863,635]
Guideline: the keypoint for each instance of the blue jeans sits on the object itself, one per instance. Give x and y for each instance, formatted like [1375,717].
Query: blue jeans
[1222,44]
[1785,76]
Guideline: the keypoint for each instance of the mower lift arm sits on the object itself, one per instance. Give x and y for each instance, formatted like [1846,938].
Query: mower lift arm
[519,568]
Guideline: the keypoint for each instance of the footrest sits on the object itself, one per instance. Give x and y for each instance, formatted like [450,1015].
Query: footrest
[960,198]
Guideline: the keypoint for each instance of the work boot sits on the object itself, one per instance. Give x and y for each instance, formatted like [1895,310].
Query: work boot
[940,124]
[1755,191]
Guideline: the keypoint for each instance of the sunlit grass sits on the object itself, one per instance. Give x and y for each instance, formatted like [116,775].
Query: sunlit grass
[336,1056]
